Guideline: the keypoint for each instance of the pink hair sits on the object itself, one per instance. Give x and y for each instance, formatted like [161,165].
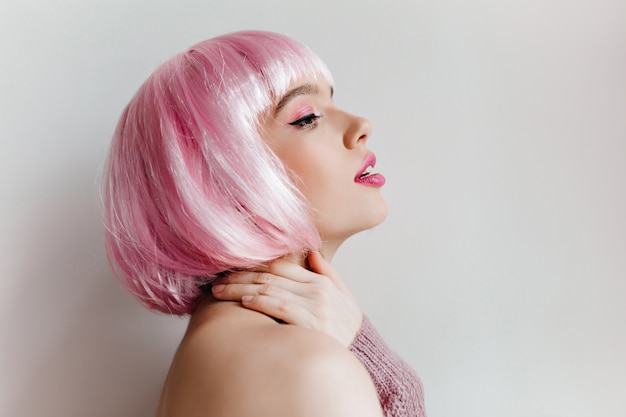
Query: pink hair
[190,189]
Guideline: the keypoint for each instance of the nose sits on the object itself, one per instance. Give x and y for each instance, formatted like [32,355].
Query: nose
[358,130]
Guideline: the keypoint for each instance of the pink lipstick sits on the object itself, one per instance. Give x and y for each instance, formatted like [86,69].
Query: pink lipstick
[365,175]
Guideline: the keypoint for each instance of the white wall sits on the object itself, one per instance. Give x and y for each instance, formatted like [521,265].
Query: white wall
[501,126]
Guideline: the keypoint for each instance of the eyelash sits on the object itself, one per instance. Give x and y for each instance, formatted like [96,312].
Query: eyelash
[306,122]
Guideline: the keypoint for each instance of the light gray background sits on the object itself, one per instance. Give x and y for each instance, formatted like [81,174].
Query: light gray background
[500,125]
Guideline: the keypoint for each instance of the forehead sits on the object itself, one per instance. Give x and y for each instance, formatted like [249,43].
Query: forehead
[302,88]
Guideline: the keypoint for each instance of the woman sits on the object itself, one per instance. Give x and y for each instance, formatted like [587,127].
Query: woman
[231,181]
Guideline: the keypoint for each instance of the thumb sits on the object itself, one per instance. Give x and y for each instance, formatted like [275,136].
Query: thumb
[321,266]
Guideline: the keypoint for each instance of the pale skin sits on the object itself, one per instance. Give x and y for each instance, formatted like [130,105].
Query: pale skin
[236,359]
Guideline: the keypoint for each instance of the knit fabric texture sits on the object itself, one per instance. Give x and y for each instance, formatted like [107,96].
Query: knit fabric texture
[399,388]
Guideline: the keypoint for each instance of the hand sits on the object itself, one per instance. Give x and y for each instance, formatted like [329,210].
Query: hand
[316,298]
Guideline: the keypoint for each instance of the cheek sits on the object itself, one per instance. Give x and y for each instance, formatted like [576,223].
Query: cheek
[313,170]
[339,207]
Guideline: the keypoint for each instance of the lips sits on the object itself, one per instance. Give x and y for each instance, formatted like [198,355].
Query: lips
[365,176]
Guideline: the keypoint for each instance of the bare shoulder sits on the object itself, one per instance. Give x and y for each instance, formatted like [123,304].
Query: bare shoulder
[315,376]
[247,364]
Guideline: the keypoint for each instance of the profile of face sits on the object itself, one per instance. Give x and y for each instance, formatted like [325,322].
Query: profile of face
[193,185]
[325,151]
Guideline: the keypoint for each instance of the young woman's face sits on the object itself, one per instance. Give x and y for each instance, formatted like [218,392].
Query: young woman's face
[325,150]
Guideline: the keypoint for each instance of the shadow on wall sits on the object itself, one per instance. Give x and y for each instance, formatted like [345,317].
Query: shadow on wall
[79,345]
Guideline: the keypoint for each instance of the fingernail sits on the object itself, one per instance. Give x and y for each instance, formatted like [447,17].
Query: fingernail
[218,288]
[246,299]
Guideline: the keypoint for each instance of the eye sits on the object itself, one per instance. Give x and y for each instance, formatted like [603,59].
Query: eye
[308,121]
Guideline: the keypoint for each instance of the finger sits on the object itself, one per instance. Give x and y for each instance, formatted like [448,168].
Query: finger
[245,277]
[321,266]
[235,292]
[276,269]
[232,292]
[244,283]
[292,271]
[282,309]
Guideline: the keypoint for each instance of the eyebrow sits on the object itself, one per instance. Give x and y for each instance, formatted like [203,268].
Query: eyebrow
[305,89]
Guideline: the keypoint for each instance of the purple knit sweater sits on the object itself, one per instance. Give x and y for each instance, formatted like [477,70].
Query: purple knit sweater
[399,388]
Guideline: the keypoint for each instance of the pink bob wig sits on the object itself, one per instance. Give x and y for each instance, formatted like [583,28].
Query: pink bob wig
[190,189]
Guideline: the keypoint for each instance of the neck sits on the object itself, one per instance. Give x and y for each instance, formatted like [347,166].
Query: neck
[328,250]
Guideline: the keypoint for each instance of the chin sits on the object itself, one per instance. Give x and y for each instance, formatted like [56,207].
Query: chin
[373,216]
[367,219]
[377,213]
